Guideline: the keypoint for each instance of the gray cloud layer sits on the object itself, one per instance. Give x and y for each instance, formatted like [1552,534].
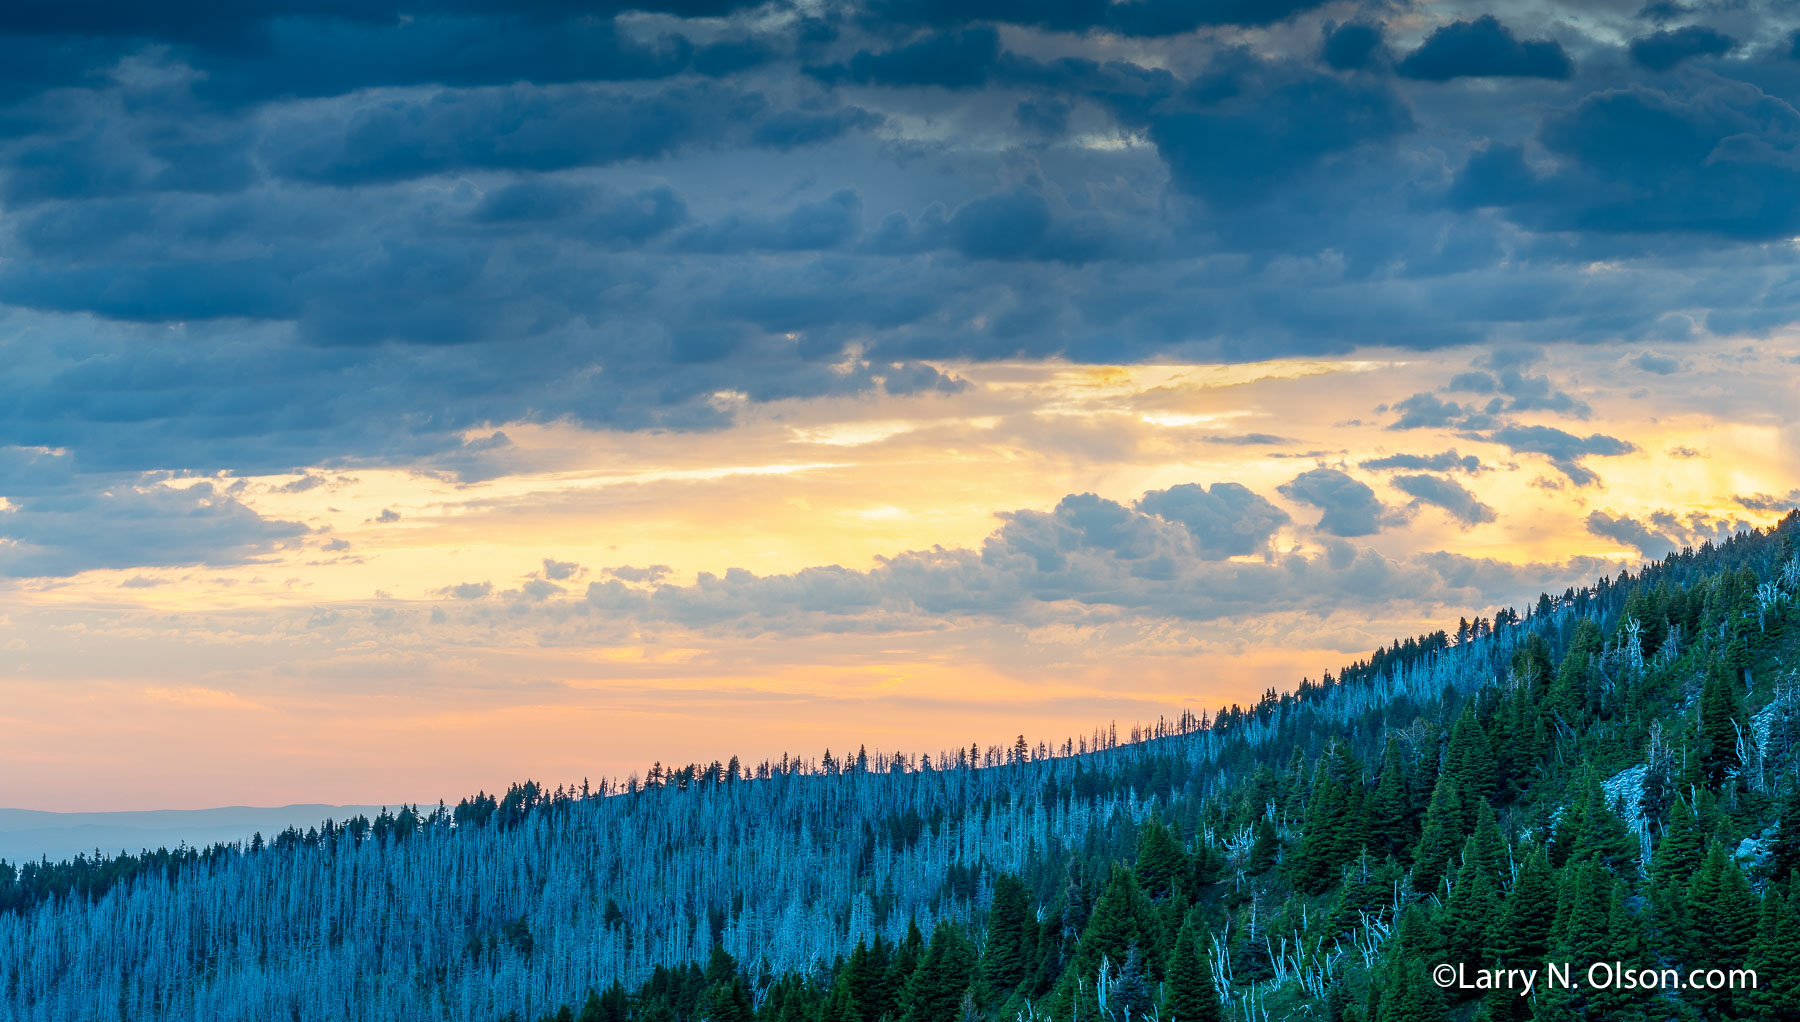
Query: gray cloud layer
[1448,494]
[1088,558]
[1663,532]
[285,235]
[270,236]
[1350,507]
[58,524]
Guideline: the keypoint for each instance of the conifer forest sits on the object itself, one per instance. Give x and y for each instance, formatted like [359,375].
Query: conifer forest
[899,511]
[1610,775]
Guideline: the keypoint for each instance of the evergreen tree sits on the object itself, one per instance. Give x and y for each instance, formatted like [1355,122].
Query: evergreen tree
[1724,922]
[1367,889]
[1404,991]
[1391,810]
[1784,851]
[1582,908]
[1265,848]
[1048,954]
[866,977]
[1485,847]
[1570,690]
[1188,994]
[840,1005]
[1681,849]
[907,956]
[1207,865]
[1122,917]
[1440,838]
[1529,913]
[1777,994]
[1160,861]
[1591,829]
[1335,825]
[1003,959]
[1568,697]
[1583,934]
[1626,949]
[1338,1007]
[1532,665]
[1128,996]
[729,1002]
[1716,731]
[1470,757]
[798,1006]
[935,991]
[1473,907]
[615,1004]
[720,966]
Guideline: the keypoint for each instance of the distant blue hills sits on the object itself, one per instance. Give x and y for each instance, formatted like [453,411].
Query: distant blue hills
[31,834]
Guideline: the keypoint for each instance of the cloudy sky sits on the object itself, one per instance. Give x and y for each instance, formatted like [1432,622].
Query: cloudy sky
[398,399]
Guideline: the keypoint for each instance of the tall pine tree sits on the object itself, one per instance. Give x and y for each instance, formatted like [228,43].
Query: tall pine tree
[935,991]
[1188,994]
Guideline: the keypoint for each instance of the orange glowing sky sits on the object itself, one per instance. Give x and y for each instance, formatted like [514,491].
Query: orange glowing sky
[411,644]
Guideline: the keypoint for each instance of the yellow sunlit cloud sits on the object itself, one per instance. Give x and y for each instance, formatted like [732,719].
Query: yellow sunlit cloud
[431,601]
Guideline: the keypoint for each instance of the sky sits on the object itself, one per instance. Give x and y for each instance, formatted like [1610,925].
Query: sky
[404,398]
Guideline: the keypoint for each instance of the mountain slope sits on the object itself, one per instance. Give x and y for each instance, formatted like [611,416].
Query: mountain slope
[1445,800]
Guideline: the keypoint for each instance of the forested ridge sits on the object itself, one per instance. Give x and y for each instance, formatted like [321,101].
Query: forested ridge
[1612,774]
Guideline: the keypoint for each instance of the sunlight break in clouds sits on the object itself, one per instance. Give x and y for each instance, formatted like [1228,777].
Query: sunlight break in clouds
[561,579]
[444,384]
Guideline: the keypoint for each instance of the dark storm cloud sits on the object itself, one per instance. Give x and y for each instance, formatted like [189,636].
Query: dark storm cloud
[1133,18]
[516,128]
[1662,50]
[1248,126]
[448,50]
[826,224]
[960,59]
[1484,48]
[223,21]
[1715,157]
[306,232]
[1353,47]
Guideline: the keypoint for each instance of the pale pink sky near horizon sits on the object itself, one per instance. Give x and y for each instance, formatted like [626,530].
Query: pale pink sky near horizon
[897,572]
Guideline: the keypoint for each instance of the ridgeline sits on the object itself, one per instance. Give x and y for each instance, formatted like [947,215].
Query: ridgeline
[1612,775]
